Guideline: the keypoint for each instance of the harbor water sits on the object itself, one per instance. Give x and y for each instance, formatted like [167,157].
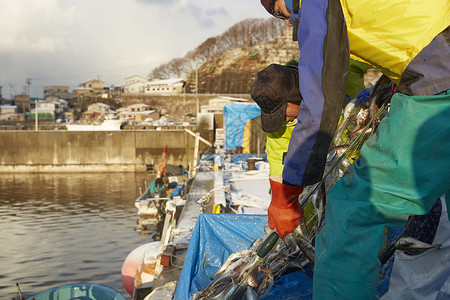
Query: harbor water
[67,228]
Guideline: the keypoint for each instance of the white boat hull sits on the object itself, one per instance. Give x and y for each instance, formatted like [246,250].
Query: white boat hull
[107,125]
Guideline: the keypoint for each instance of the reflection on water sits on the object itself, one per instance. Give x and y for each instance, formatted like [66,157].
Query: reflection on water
[65,228]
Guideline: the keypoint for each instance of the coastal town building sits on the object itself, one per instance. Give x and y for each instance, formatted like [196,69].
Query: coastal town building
[135,78]
[112,90]
[45,114]
[139,107]
[69,116]
[22,102]
[52,98]
[139,112]
[60,91]
[99,107]
[97,86]
[135,85]
[82,91]
[58,106]
[135,88]
[121,109]
[165,86]
[9,113]
[97,111]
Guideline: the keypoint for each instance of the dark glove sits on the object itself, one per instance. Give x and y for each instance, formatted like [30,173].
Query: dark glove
[284,210]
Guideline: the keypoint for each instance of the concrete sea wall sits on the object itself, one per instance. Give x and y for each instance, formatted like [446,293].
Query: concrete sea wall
[95,151]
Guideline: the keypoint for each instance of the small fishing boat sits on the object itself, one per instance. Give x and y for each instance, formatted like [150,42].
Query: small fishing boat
[106,125]
[151,202]
[79,291]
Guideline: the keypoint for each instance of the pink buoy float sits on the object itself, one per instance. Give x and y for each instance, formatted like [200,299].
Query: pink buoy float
[135,262]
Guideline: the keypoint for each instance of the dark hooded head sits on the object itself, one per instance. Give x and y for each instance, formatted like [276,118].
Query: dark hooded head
[273,88]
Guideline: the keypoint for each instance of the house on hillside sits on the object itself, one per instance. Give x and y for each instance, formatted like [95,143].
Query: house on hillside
[135,88]
[138,107]
[165,86]
[139,113]
[97,86]
[58,107]
[22,102]
[9,113]
[135,85]
[82,91]
[99,107]
[44,114]
[114,90]
[98,111]
[134,79]
[50,105]
[69,116]
[60,91]
[121,109]
[7,109]
[52,98]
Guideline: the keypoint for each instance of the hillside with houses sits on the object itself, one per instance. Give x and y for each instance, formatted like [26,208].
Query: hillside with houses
[177,91]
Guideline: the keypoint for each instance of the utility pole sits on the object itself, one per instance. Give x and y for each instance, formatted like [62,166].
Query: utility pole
[196,91]
[28,86]
[11,87]
[36,116]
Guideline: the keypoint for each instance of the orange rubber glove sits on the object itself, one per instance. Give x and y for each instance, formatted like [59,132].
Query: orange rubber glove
[284,210]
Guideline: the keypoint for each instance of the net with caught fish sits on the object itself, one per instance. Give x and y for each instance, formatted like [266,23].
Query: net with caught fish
[245,275]
[217,237]
[357,124]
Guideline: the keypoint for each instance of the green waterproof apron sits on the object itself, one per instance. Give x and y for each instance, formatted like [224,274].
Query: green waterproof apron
[402,170]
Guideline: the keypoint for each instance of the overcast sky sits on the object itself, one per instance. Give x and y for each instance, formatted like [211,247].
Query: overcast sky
[67,42]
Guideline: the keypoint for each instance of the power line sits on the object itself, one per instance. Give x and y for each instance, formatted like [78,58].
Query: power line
[69,76]
[89,73]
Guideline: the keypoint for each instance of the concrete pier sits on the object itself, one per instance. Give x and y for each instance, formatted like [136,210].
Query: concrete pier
[95,151]
[202,184]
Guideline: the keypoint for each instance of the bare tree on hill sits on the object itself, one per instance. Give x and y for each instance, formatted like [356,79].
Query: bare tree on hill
[245,33]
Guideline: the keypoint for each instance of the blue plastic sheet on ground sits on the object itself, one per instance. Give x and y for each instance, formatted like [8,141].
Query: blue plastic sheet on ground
[236,116]
[296,285]
[214,238]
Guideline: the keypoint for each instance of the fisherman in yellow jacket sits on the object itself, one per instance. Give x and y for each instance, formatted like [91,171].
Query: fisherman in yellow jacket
[402,169]
[277,93]
[276,86]
[276,89]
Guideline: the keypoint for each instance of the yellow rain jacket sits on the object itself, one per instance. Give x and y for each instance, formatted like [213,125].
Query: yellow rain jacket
[380,35]
[277,144]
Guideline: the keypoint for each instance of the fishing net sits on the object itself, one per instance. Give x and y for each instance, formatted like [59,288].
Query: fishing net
[357,123]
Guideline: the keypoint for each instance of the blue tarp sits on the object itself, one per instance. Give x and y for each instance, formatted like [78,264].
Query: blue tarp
[236,116]
[214,238]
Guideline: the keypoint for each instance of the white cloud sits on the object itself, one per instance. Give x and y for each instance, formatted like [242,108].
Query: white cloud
[72,41]
[33,25]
